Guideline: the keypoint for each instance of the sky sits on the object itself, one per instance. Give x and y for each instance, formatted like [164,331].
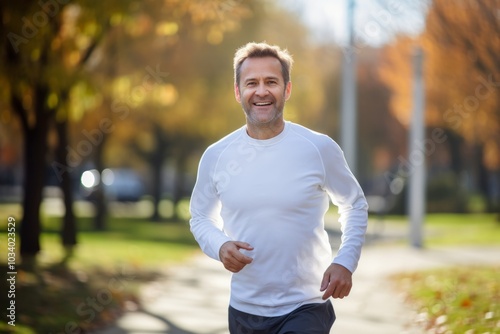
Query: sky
[376,21]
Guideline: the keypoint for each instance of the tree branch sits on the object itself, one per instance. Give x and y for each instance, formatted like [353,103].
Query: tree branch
[93,46]
[18,108]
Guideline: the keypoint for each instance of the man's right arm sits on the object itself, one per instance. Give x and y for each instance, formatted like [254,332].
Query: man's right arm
[206,223]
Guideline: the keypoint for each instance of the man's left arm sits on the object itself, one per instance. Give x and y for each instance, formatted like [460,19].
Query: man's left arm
[346,193]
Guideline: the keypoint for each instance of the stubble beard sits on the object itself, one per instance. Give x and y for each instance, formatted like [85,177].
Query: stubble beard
[254,121]
[277,111]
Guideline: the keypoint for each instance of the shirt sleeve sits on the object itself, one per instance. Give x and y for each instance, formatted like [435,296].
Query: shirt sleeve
[206,223]
[346,193]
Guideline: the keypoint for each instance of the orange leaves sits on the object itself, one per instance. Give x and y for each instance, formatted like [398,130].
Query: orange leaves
[466,302]
[455,300]
[396,72]
[461,67]
[221,15]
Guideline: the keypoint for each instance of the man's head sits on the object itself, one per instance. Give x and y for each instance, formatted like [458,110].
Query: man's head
[261,50]
[262,83]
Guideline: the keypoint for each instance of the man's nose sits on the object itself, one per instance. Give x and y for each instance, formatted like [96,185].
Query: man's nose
[261,90]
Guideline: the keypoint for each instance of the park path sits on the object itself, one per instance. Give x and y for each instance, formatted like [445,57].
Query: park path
[192,298]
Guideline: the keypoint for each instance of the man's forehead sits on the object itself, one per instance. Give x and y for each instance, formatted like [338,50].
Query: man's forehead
[261,66]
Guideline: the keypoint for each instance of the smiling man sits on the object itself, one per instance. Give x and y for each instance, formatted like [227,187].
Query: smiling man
[262,93]
[259,203]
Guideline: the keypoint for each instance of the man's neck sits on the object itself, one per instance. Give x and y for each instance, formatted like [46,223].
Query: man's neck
[265,131]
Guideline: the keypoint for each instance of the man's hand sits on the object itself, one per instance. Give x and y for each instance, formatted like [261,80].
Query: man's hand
[337,282]
[231,256]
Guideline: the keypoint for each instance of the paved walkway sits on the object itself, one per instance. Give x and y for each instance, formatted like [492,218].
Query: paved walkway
[192,298]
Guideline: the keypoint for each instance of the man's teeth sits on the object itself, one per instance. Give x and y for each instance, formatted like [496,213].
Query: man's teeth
[262,103]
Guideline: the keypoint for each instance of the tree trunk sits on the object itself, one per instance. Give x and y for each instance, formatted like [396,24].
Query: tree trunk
[101,209]
[99,194]
[455,148]
[156,167]
[35,168]
[179,183]
[481,173]
[157,157]
[68,231]
[35,154]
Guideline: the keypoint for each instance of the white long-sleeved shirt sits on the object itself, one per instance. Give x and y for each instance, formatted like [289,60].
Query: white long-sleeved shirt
[274,194]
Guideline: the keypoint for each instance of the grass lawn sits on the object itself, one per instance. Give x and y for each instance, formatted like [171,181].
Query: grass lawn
[452,229]
[100,280]
[459,299]
[136,242]
[455,300]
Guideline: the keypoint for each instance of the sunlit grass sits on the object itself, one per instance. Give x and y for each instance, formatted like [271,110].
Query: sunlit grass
[132,241]
[453,229]
[113,248]
[130,251]
[455,300]
[143,248]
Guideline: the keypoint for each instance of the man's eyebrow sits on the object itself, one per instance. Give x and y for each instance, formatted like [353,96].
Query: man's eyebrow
[266,78]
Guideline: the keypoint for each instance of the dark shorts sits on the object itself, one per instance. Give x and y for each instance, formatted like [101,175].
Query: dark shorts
[308,319]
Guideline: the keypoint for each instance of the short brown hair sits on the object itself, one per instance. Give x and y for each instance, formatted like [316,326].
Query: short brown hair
[260,50]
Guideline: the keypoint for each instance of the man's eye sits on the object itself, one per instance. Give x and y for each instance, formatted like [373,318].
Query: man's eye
[251,84]
[272,82]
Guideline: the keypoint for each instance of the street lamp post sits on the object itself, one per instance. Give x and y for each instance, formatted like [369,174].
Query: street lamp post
[416,156]
[348,130]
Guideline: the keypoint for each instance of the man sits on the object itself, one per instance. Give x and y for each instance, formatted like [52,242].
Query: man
[259,202]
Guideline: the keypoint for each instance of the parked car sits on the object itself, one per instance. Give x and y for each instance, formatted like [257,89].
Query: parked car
[120,184]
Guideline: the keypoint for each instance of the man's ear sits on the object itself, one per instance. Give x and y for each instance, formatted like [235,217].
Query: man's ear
[288,90]
[237,94]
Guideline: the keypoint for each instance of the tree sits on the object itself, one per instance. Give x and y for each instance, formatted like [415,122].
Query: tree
[465,30]
[457,40]
[382,137]
[26,60]
[195,104]
[45,47]
[164,40]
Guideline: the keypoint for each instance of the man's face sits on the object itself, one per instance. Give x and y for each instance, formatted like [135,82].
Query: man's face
[262,91]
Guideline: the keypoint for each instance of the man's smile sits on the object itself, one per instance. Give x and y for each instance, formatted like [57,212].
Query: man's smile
[262,104]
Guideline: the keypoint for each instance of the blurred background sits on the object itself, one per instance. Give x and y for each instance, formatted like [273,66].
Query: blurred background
[107,106]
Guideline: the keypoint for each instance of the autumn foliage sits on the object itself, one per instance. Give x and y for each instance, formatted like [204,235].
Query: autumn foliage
[462,85]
